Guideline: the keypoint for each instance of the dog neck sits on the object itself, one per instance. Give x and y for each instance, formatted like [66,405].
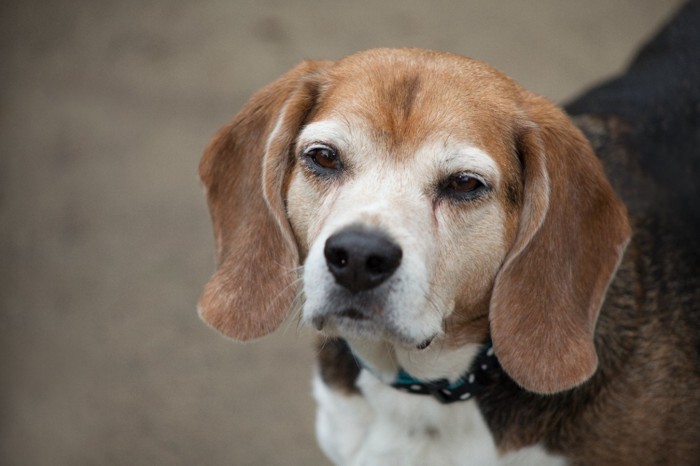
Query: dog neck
[445,373]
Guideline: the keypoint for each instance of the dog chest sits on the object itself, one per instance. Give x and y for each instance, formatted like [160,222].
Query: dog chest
[385,426]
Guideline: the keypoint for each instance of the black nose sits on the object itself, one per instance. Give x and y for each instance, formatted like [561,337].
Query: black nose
[361,259]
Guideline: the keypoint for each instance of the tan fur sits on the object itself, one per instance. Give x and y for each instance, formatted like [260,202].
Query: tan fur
[536,255]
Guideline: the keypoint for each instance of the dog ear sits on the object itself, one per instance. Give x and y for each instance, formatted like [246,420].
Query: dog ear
[244,170]
[573,232]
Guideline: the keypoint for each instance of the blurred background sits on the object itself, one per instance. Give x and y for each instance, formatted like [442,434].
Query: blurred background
[105,240]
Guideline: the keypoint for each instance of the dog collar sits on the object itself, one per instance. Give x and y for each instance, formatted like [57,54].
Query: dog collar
[463,389]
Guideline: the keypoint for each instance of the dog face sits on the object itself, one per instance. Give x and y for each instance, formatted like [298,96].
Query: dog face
[427,196]
[395,164]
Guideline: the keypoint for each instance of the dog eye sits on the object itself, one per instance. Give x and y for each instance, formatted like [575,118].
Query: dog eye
[323,157]
[463,186]
[463,183]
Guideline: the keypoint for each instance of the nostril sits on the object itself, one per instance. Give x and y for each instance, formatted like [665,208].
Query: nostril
[387,263]
[375,264]
[337,257]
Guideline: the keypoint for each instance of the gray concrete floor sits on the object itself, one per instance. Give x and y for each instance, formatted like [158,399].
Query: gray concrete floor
[105,242]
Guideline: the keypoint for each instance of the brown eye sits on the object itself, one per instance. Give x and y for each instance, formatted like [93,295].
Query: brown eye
[323,157]
[463,186]
[464,183]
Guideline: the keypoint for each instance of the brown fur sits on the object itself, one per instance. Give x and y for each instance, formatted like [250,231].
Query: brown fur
[253,288]
[548,294]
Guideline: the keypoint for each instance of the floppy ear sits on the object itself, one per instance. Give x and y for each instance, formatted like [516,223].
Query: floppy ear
[243,170]
[573,232]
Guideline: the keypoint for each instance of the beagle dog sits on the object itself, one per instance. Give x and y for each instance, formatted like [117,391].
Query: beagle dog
[457,244]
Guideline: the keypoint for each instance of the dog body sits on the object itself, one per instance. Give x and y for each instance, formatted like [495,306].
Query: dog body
[437,208]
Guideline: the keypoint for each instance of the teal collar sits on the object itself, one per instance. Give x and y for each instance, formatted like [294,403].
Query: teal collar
[463,389]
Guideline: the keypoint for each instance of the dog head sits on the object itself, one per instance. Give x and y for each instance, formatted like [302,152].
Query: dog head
[427,196]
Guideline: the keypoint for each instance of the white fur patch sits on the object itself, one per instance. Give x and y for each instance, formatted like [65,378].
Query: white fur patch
[387,427]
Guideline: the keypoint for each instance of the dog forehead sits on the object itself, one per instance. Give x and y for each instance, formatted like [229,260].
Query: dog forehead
[406,97]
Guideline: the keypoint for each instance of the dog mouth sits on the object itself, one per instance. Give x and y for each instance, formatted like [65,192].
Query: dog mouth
[359,323]
[425,343]
[347,317]
[353,314]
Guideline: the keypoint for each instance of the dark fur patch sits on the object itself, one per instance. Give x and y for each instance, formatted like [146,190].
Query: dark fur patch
[337,365]
[404,94]
[399,96]
[658,99]
[514,194]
